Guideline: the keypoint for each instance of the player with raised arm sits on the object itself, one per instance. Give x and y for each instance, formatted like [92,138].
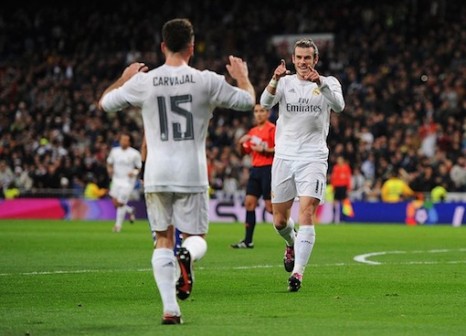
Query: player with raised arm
[177,102]
[300,165]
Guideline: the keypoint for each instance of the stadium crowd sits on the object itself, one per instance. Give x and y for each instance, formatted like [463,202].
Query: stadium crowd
[402,66]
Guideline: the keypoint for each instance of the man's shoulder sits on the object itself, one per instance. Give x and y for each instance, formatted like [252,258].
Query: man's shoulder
[266,128]
[134,150]
[163,69]
[114,149]
[290,78]
[330,79]
[206,73]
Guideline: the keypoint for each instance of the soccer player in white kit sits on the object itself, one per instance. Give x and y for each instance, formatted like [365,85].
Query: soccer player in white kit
[123,166]
[305,100]
[177,102]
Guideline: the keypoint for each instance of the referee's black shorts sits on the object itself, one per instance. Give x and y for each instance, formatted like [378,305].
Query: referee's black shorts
[341,193]
[259,183]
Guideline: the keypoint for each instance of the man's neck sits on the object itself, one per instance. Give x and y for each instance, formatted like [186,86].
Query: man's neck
[176,60]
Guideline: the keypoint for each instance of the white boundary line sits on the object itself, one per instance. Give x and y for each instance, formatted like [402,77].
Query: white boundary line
[360,259]
[364,258]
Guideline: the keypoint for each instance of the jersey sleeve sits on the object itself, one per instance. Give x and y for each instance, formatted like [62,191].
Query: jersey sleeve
[130,93]
[137,159]
[269,100]
[331,89]
[225,95]
[110,159]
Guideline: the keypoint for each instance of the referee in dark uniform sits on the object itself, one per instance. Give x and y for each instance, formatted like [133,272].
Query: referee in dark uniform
[259,142]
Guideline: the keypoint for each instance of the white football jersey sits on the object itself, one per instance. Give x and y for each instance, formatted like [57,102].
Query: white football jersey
[304,116]
[177,103]
[124,161]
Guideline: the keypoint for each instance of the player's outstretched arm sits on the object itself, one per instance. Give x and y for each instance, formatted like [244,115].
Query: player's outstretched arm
[129,72]
[279,72]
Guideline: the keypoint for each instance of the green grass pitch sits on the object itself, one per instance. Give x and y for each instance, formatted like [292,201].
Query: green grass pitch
[79,278]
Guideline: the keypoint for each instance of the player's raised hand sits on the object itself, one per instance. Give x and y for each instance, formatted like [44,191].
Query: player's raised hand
[238,69]
[281,70]
[133,69]
[313,76]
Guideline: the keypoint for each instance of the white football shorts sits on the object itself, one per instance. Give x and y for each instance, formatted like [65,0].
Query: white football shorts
[298,178]
[120,193]
[188,212]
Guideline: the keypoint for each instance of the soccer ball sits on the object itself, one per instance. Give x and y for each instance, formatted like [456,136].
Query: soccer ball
[246,147]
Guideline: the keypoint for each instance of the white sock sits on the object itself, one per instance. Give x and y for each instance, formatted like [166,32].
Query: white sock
[303,247]
[129,209]
[120,216]
[197,246]
[164,266]
[288,232]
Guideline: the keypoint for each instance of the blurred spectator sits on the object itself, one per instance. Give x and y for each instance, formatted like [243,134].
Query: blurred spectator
[428,134]
[230,186]
[368,167]
[438,194]
[372,190]
[366,138]
[458,174]
[403,80]
[22,180]
[395,189]
[6,178]
[357,185]
[425,180]
[92,191]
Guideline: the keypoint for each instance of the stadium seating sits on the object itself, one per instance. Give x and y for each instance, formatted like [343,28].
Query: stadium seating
[402,66]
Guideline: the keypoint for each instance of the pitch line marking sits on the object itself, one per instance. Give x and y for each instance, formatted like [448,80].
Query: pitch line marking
[58,272]
[364,258]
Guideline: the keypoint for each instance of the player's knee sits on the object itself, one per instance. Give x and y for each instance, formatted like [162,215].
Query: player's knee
[279,221]
[268,207]
[250,206]
[250,202]
[164,240]
[308,213]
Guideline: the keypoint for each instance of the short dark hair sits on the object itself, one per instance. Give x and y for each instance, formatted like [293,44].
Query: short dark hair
[307,43]
[177,34]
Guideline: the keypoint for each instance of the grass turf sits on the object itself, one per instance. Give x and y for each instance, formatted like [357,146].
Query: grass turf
[79,278]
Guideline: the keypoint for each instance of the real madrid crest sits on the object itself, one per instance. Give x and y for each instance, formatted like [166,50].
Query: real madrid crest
[316,92]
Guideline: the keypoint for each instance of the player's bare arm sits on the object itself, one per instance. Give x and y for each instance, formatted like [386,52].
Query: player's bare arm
[244,138]
[133,173]
[279,72]
[110,170]
[144,149]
